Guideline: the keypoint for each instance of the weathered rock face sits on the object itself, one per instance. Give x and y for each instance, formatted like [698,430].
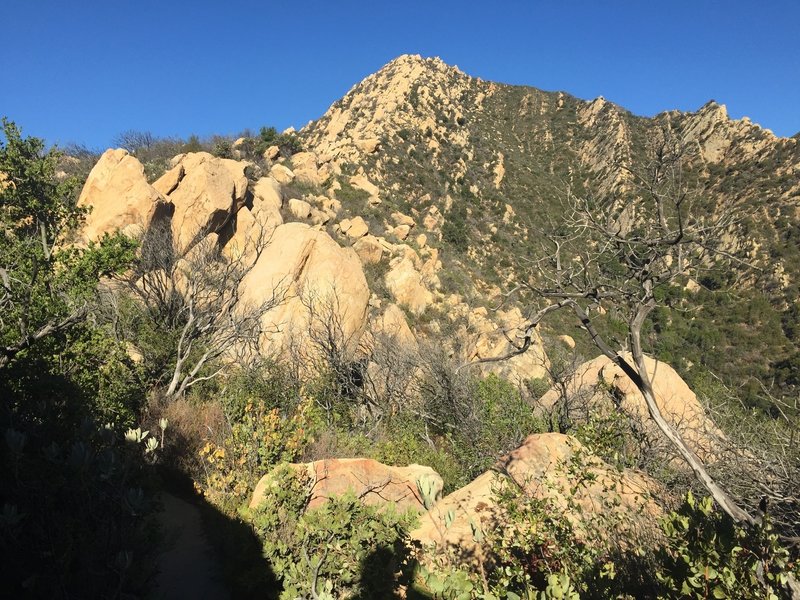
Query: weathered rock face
[304,166]
[406,285]
[313,274]
[373,482]
[253,227]
[491,340]
[300,209]
[206,192]
[677,402]
[282,174]
[392,324]
[542,467]
[120,197]
[369,249]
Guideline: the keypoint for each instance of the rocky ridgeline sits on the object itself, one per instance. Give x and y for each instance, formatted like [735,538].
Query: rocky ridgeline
[429,135]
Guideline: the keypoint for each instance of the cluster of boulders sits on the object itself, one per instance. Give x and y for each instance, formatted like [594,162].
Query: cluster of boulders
[203,197]
[595,498]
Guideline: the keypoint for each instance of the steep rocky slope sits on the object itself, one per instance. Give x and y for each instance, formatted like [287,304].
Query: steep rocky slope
[479,166]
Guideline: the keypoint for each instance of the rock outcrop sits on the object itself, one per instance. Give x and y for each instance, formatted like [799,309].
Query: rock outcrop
[546,466]
[206,193]
[119,196]
[406,284]
[372,482]
[318,281]
[677,402]
[498,336]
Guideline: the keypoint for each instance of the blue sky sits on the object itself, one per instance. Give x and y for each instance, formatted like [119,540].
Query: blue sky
[84,71]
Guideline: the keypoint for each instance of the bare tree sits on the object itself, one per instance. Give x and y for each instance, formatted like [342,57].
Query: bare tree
[619,253]
[199,296]
[327,346]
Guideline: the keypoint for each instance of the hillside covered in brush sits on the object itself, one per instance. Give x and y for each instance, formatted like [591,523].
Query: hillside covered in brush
[453,339]
[495,162]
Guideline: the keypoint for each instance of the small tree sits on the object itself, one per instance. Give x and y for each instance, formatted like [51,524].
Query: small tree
[46,285]
[621,254]
[197,300]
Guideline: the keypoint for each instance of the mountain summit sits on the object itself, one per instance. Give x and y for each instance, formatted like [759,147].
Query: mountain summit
[489,161]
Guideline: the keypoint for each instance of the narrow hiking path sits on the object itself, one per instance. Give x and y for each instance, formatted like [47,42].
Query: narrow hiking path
[188,567]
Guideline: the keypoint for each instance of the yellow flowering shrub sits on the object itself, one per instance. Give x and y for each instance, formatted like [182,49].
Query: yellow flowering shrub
[251,446]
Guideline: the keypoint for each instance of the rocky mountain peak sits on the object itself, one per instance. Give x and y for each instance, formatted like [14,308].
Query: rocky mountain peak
[406,94]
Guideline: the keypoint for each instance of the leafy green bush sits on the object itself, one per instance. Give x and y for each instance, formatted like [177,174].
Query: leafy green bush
[708,556]
[342,549]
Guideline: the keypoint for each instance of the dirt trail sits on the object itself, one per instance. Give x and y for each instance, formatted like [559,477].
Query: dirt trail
[188,567]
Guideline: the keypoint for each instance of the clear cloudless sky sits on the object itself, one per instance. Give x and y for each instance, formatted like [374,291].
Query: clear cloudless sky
[84,70]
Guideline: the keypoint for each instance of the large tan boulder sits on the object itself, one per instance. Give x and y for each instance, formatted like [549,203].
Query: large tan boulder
[677,402]
[369,249]
[282,174]
[357,228]
[305,168]
[206,192]
[119,196]
[372,482]
[405,284]
[580,487]
[320,283]
[361,182]
[368,145]
[253,227]
[268,190]
[300,209]
[494,336]
[401,232]
[402,219]
[393,325]
[272,153]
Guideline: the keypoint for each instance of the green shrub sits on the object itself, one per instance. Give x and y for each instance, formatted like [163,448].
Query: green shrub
[708,556]
[342,549]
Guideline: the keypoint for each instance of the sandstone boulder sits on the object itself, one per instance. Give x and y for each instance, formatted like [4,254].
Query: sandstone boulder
[369,249]
[356,228]
[497,336]
[304,166]
[373,482]
[567,340]
[282,174]
[402,219]
[677,402]
[362,183]
[544,467]
[405,284]
[319,282]
[401,232]
[267,190]
[300,209]
[206,193]
[272,153]
[120,197]
[369,145]
[392,324]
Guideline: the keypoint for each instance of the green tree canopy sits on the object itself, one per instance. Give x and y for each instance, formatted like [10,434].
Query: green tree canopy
[46,282]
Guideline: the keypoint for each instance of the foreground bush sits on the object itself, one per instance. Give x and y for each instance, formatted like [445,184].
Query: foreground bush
[708,556]
[343,549]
